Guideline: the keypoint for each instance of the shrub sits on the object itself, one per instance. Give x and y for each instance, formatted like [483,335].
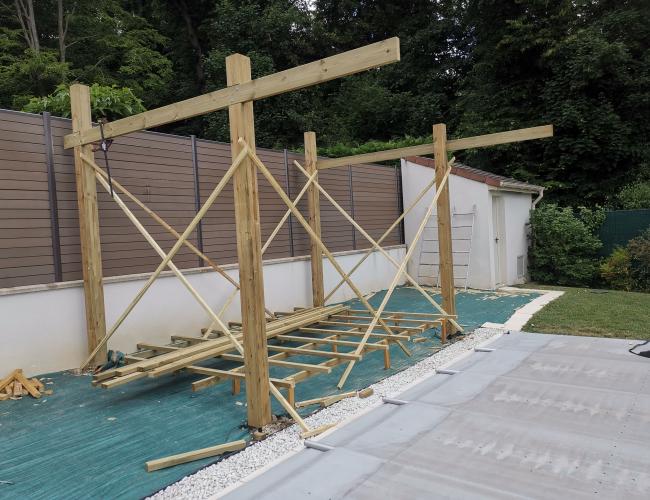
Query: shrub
[564,245]
[635,196]
[615,270]
[105,101]
[639,251]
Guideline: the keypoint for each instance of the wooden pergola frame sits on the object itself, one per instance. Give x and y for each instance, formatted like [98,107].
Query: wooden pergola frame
[251,341]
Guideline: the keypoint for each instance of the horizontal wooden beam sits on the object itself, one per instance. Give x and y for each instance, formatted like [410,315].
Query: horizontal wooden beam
[365,325]
[345,343]
[201,370]
[314,352]
[348,333]
[337,66]
[479,141]
[283,364]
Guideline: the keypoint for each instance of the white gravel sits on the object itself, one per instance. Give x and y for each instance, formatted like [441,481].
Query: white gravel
[233,470]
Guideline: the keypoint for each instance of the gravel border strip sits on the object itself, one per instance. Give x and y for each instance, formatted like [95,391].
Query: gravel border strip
[226,475]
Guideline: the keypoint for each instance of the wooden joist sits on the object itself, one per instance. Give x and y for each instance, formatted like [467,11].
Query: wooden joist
[349,333]
[313,340]
[314,352]
[201,370]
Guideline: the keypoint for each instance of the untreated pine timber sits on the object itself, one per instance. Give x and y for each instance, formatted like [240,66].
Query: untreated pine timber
[313,203]
[91,255]
[479,141]
[249,249]
[330,68]
[446,266]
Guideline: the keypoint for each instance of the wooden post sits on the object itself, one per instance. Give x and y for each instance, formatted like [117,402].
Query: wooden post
[446,267]
[249,251]
[313,201]
[91,255]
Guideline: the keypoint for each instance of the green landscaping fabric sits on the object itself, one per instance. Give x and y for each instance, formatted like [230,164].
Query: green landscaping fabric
[84,442]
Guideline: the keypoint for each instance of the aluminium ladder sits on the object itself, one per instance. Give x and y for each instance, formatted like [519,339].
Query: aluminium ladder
[462,233]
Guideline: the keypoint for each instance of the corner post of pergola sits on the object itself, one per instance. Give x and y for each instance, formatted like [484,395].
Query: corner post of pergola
[313,203]
[446,266]
[91,255]
[249,245]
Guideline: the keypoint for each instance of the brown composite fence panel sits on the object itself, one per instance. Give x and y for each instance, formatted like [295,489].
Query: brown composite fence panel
[173,175]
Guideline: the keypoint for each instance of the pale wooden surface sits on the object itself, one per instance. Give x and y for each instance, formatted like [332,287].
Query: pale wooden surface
[446,266]
[190,456]
[330,68]
[479,141]
[91,253]
[313,204]
[249,250]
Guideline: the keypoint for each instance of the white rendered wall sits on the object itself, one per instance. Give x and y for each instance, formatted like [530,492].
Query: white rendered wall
[43,327]
[464,194]
[517,215]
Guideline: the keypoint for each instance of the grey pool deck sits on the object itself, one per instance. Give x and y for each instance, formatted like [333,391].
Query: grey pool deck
[541,416]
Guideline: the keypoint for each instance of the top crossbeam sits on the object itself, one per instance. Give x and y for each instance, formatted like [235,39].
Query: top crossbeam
[330,68]
[479,141]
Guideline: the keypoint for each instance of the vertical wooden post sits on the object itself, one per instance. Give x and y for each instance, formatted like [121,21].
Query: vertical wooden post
[249,251]
[91,255]
[313,202]
[446,269]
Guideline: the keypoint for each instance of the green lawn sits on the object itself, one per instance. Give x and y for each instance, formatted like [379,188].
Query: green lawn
[594,313]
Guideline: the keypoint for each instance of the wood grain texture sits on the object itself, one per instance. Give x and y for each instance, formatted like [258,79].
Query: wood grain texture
[313,204]
[249,250]
[91,255]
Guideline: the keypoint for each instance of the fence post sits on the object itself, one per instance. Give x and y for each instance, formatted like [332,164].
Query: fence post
[354,231]
[52,196]
[197,196]
[400,201]
[290,219]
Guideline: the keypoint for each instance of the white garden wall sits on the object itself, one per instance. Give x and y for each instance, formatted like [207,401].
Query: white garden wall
[43,326]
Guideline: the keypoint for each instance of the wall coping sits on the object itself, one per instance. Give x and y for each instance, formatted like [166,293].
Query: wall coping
[17,290]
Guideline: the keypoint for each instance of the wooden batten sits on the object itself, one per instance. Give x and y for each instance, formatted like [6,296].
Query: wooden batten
[91,254]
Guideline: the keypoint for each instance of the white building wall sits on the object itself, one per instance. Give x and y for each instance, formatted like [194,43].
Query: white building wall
[43,326]
[464,195]
[517,215]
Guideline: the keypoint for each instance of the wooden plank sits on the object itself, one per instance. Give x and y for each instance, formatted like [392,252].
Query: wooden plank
[297,338]
[314,352]
[326,400]
[91,254]
[480,141]
[405,313]
[349,333]
[443,217]
[365,325]
[389,320]
[249,250]
[330,68]
[313,204]
[234,375]
[190,456]
[27,385]
[283,364]
[9,378]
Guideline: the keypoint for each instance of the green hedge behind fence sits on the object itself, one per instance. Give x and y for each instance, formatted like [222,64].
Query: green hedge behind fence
[621,226]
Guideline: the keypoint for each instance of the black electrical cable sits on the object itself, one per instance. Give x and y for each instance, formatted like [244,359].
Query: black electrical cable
[104,145]
[644,354]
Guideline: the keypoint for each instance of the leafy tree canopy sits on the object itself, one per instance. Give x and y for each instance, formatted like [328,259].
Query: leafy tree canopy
[480,66]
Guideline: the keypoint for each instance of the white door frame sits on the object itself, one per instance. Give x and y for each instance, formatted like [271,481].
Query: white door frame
[498,240]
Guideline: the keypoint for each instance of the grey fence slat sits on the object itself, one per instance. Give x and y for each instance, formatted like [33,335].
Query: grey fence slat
[172,174]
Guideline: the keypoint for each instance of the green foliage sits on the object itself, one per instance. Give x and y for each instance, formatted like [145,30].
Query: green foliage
[615,270]
[635,196]
[105,102]
[479,66]
[639,250]
[564,245]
